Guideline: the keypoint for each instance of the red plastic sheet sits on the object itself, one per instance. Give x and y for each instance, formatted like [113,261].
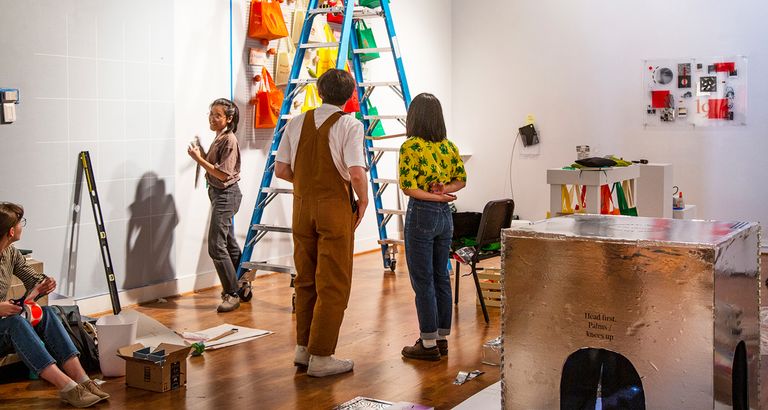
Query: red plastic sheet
[718,108]
[725,67]
[659,98]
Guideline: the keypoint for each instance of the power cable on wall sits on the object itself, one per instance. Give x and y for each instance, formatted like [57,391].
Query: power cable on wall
[511,159]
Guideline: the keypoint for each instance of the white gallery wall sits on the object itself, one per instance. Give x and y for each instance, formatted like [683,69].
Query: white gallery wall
[201,77]
[133,86]
[577,67]
[98,76]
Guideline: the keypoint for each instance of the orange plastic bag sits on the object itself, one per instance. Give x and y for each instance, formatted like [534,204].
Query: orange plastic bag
[268,101]
[606,202]
[353,103]
[266,20]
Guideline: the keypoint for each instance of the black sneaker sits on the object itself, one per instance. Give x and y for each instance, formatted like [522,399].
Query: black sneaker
[443,346]
[419,352]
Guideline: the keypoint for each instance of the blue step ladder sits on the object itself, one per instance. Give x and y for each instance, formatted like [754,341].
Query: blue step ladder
[256,229]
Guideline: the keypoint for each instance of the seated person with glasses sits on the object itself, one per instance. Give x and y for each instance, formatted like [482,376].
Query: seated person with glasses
[46,347]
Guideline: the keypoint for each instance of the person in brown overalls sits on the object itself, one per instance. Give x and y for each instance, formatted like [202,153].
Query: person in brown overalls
[321,153]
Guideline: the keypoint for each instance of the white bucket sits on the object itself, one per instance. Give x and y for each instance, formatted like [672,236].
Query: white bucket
[114,332]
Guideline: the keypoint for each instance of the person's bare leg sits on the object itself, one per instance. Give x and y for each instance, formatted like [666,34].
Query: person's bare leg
[55,376]
[74,369]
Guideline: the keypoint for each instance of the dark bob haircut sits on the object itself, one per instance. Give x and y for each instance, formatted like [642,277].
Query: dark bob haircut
[230,110]
[335,86]
[425,118]
[10,215]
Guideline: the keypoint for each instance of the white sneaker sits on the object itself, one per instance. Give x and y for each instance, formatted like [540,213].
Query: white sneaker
[301,358]
[321,366]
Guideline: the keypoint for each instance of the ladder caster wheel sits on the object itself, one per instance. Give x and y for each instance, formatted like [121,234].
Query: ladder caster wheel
[245,293]
[392,265]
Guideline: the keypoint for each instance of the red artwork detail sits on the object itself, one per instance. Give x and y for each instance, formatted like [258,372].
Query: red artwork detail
[718,108]
[659,98]
[725,67]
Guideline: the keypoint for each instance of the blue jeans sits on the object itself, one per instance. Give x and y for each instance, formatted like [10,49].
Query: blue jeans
[222,245]
[39,346]
[428,232]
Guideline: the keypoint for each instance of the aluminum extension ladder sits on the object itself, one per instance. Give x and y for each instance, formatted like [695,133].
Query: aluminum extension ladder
[257,230]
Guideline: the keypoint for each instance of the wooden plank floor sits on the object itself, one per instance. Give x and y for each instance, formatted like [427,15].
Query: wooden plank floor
[380,320]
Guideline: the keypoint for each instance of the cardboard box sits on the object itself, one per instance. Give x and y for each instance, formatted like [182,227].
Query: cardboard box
[160,370]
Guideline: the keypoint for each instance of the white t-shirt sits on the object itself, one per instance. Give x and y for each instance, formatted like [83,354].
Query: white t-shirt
[345,139]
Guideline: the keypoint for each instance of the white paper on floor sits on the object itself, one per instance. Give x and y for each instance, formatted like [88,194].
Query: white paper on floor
[488,399]
[243,334]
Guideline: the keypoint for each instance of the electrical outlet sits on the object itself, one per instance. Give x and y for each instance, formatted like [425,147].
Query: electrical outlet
[9,113]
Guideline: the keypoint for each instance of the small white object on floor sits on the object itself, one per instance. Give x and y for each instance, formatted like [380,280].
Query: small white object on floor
[464,377]
[193,336]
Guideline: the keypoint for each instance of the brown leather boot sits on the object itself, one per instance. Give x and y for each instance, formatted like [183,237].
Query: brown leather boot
[419,352]
[443,346]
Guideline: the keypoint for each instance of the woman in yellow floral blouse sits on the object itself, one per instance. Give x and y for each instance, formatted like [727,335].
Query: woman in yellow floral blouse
[431,170]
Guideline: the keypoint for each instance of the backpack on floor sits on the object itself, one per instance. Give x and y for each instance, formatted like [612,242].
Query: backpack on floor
[83,335]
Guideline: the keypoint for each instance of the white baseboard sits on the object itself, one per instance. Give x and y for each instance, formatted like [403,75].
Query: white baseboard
[367,244]
[102,303]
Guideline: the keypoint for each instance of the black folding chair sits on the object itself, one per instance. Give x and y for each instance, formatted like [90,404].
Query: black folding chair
[496,216]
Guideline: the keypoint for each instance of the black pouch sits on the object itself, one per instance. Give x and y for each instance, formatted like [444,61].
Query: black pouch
[596,162]
[352,201]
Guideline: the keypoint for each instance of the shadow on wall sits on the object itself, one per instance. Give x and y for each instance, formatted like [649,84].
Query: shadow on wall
[149,240]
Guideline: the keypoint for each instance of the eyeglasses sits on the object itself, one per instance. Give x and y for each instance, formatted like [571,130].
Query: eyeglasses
[23,222]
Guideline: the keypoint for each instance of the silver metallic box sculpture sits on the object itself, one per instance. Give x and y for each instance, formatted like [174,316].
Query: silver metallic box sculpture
[630,313]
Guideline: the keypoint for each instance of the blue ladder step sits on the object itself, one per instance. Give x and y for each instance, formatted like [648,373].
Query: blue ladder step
[384,137]
[304,81]
[392,212]
[368,84]
[384,149]
[325,10]
[385,117]
[308,46]
[372,50]
[383,184]
[271,190]
[269,267]
[358,13]
[271,228]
